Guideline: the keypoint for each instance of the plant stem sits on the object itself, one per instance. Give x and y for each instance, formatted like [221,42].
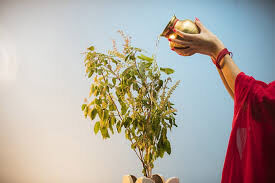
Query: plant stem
[140,156]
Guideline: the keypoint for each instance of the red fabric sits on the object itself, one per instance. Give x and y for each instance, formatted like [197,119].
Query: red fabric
[250,156]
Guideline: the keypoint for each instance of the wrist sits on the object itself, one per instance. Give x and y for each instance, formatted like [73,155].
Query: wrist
[217,49]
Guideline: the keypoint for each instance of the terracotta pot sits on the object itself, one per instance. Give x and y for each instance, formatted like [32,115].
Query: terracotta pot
[156,178]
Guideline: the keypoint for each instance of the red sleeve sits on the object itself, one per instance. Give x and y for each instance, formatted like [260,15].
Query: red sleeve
[260,94]
[255,105]
[243,84]
[263,103]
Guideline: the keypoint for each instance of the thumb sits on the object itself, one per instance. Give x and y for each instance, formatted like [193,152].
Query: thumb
[200,25]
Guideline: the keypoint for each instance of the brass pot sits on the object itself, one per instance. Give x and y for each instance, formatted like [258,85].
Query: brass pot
[187,26]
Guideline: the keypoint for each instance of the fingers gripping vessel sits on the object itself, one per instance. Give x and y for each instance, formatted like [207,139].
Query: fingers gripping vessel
[187,26]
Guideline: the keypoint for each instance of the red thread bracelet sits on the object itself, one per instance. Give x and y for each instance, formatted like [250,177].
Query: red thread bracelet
[222,53]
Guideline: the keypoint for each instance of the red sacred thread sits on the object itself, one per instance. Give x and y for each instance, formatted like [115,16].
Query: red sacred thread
[220,56]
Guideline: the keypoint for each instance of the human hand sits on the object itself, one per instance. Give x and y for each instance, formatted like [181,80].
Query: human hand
[204,43]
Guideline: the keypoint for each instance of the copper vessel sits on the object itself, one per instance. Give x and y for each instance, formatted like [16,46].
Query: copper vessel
[187,26]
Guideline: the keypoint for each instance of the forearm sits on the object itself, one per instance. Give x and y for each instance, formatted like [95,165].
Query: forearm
[226,84]
[230,71]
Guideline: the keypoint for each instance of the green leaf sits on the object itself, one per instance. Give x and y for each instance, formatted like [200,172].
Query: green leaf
[100,112]
[167,146]
[126,71]
[96,127]
[109,66]
[102,124]
[127,135]
[127,57]
[161,154]
[167,70]
[127,122]
[160,84]
[104,133]
[98,101]
[91,48]
[118,127]
[96,92]
[86,112]
[135,87]
[123,109]
[105,115]
[114,61]
[93,113]
[143,57]
[114,81]
[111,126]
[90,74]
[112,107]
[134,145]
[105,62]
[113,120]
[99,71]
[83,106]
[147,65]
[133,130]
[132,57]
[163,133]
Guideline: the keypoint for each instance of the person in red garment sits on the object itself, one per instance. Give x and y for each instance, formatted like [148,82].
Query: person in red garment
[250,156]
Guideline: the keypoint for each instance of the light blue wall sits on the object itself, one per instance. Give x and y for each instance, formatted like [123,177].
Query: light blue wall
[43,134]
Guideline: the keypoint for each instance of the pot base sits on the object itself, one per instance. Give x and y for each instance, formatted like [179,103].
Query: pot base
[156,178]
